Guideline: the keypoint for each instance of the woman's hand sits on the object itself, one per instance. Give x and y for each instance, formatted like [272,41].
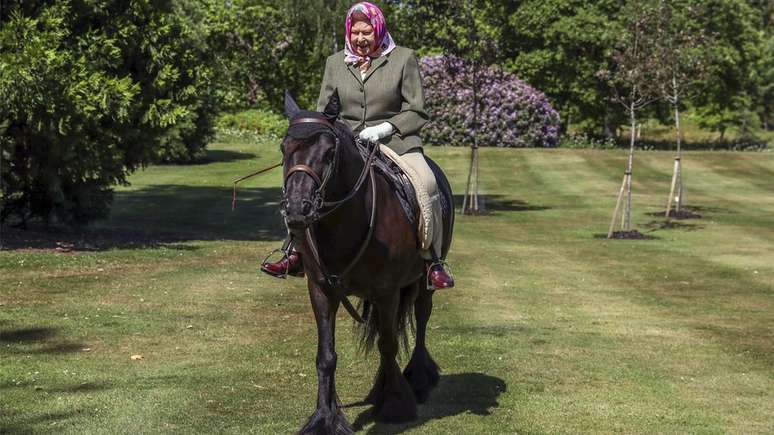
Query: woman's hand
[377,132]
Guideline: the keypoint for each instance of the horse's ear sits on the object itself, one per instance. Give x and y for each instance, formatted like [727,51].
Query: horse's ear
[291,108]
[333,108]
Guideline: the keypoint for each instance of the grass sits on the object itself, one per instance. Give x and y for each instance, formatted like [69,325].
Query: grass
[549,330]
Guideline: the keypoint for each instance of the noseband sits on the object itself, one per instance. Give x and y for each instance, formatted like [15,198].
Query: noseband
[317,197]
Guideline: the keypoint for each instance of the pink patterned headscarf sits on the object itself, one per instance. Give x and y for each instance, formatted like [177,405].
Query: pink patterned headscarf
[382,38]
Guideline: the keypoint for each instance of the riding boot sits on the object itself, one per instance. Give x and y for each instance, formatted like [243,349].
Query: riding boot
[437,276]
[290,264]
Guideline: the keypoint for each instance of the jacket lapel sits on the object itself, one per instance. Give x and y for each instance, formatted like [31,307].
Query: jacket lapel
[375,64]
[355,73]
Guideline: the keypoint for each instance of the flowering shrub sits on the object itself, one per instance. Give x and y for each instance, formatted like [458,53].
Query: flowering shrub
[511,114]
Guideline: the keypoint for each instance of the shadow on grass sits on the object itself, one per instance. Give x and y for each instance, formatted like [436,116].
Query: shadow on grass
[26,335]
[164,216]
[214,156]
[673,225]
[495,203]
[37,341]
[697,209]
[626,235]
[84,387]
[474,393]
[225,156]
[45,422]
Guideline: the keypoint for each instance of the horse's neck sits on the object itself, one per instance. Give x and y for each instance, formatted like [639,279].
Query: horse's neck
[348,224]
[350,166]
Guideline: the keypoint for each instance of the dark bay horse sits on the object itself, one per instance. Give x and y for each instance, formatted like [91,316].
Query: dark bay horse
[356,241]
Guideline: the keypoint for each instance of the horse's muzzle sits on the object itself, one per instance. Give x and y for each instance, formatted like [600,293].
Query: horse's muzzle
[298,222]
[299,213]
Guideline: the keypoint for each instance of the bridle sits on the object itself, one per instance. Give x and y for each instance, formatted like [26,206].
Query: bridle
[320,208]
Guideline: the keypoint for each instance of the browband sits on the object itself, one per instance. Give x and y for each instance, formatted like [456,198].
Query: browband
[312,120]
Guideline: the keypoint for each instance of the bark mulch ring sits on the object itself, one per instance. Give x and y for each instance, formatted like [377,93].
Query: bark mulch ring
[627,235]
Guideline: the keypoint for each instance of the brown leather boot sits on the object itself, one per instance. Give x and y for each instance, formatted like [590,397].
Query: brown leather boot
[438,277]
[290,264]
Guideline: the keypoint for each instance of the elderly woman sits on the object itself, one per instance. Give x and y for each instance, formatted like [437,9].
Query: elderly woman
[382,101]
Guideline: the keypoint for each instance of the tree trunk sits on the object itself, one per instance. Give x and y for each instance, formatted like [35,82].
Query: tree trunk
[470,203]
[676,187]
[628,208]
[679,158]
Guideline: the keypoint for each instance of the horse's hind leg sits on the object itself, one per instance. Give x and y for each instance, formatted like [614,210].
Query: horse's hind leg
[421,371]
[327,418]
[391,394]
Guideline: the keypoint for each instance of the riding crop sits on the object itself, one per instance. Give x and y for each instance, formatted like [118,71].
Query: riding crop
[239,180]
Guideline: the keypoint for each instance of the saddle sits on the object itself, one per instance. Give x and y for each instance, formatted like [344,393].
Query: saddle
[401,187]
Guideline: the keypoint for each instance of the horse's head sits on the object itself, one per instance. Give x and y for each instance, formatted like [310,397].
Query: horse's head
[310,152]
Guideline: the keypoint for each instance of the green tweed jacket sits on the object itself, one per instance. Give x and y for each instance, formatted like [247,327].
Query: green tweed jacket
[391,91]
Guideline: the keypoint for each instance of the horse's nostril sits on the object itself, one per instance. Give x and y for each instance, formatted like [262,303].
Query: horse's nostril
[306,209]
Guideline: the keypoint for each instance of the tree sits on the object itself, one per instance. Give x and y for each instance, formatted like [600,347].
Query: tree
[729,94]
[89,92]
[559,46]
[632,78]
[681,59]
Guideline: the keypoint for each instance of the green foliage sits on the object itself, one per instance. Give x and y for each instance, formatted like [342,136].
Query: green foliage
[267,46]
[259,122]
[559,46]
[583,140]
[90,91]
[728,95]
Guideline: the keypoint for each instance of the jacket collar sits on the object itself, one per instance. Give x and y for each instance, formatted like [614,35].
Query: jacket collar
[375,64]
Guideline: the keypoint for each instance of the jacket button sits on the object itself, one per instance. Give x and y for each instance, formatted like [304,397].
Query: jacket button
[362,105]
[361,89]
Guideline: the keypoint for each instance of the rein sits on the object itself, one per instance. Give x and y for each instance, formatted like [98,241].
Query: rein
[318,203]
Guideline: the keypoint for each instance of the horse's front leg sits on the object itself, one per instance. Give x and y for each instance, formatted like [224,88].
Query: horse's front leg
[391,394]
[327,418]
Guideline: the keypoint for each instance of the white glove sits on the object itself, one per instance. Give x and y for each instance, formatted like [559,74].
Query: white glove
[377,132]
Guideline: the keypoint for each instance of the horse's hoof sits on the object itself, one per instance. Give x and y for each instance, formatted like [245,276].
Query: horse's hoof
[422,374]
[326,422]
[396,409]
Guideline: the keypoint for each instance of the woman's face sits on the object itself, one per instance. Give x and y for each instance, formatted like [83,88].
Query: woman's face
[362,38]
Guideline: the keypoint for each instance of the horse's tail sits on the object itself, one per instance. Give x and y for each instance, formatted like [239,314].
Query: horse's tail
[368,331]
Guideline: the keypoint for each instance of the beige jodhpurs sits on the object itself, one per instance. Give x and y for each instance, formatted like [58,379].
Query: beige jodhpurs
[428,197]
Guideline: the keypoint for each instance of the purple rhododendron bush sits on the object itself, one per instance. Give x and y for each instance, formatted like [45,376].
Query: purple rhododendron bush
[512,113]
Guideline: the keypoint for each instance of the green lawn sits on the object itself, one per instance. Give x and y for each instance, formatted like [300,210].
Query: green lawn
[549,330]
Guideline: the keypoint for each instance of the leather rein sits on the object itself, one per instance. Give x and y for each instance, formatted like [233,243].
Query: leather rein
[322,208]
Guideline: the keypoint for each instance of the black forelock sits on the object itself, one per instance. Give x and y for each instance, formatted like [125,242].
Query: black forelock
[307,129]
